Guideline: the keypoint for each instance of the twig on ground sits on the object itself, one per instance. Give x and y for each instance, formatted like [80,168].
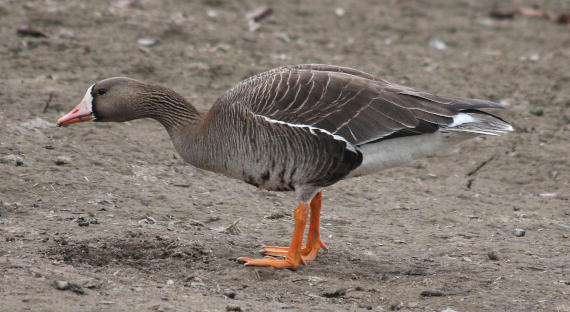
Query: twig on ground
[474,171]
[30,31]
[46,106]
[233,229]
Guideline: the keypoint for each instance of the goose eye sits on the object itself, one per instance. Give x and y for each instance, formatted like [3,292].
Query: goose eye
[101,91]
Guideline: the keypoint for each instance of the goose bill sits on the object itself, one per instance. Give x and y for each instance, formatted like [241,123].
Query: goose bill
[81,112]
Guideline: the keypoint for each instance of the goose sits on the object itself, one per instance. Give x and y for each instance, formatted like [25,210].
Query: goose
[297,128]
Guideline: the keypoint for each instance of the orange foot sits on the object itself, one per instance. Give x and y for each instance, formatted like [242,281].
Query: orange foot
[272,262]
[314,242]
[293,254]
[308,253]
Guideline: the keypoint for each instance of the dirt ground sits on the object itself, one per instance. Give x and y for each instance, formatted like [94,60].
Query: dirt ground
[114,212]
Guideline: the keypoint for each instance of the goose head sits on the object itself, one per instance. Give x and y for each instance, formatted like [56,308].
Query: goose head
[112,99]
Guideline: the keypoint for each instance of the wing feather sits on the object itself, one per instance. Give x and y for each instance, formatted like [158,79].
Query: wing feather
[347,102]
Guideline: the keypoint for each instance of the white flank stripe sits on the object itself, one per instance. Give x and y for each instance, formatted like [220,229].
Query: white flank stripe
[312,130]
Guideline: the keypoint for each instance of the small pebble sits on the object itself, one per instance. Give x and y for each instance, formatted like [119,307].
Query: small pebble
[519,232]
[93,284]
[438,44]
[147,220]
[76,288]
[210,219]
[416,272]
[432,293]
[315,279]
[535,57]
[397,305]
[147,42]
[537,112]
[275,215]
[123,4]
[340,292]
[62,160]
[492,256]
[61,285]
[196,223]
[81,221]
[339,11]
[171,226]
[212,13]
[65,33]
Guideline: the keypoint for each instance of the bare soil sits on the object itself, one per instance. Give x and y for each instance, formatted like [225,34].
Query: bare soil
[112,210]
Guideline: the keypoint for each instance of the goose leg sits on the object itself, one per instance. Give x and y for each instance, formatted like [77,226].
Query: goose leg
[293,255]
[314,242]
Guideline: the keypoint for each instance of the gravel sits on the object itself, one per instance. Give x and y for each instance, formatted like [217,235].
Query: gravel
[518,232]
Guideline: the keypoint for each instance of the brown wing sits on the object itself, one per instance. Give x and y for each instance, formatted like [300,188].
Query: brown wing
[344,101]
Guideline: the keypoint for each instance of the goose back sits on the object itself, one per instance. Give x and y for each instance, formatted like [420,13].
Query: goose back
[352,104]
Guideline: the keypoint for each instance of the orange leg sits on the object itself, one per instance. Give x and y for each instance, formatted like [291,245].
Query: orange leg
[293,255]
[314,242]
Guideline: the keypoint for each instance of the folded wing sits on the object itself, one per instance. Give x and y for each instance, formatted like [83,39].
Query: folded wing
[355,105]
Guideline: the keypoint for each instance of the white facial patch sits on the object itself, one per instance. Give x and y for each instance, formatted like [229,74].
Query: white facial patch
[87,101]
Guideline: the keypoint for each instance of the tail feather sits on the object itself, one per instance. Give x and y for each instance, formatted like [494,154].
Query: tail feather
[465,122]
[480,112]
